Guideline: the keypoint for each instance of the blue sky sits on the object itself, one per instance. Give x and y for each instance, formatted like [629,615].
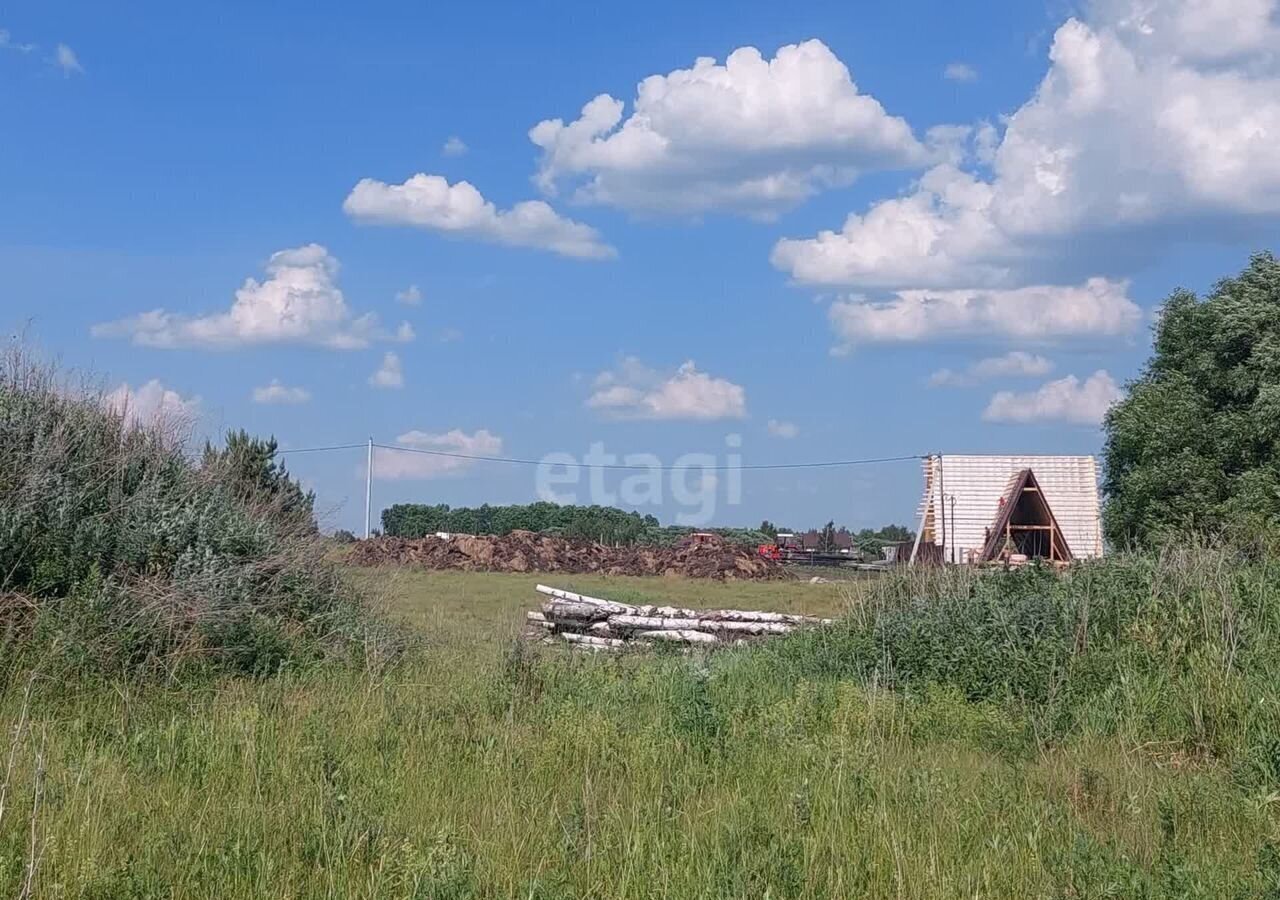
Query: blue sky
[886,229]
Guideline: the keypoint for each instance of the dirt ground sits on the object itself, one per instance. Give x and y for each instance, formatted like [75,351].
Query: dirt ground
[525,551]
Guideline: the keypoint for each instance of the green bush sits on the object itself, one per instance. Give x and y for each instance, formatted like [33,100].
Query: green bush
[126,556]
[1171,648]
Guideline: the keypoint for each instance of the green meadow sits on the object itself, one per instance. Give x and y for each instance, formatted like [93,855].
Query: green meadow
[1114,732]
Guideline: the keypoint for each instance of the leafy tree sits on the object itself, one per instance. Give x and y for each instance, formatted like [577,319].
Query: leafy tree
[769,530]
[871,543]
[249,464]
[1194,444]
[828,537]
[896,534]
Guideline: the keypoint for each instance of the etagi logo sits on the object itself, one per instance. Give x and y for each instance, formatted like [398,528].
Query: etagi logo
[694,482]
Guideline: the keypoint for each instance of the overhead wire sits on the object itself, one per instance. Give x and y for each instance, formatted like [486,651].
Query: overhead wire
[511,460]
[282,451]
[648,468]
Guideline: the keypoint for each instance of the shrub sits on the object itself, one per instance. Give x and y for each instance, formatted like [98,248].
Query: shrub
[1165,648]
[127,556]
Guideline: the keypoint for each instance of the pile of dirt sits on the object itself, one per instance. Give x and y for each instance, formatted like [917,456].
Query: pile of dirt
[526,551]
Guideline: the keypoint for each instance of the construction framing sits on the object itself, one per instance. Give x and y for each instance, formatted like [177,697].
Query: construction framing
[1025,525]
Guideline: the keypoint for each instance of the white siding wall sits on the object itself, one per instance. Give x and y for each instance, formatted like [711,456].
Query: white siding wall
[1069,483]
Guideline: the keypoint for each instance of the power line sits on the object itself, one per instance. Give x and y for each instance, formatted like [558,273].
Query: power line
[577,465]
[511,460]
[320,449]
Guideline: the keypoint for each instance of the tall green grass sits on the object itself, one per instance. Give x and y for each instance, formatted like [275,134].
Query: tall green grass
[121,555]
[1179,647]
[1107,733]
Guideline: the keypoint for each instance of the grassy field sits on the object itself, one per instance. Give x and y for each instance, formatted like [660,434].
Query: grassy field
[478,769]
[488,607]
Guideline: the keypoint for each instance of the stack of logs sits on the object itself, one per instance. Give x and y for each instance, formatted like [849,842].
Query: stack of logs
[590,623]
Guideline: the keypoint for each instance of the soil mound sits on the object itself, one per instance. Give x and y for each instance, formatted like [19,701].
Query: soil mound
[526,551]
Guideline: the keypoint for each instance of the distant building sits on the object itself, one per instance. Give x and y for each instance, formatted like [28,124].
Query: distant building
[841,541]
[986,508]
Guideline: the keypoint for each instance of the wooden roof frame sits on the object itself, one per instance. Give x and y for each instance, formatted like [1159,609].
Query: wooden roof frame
[1002,528]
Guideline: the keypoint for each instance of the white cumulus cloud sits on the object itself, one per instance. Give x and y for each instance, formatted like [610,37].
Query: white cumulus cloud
[277,393]
[8,43]
[430,202]
[455,146]
[959,71]
[635,391]
[152,404]
[751,135]
[66,60]
[941,235]
[1099,307]
[390,373]
[299,302]
[786,430]
[1065,400]
[1014,364]
[410,296]
[1151,118]
[401,465]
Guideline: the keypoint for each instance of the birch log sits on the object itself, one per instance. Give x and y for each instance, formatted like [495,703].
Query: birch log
[590,623]
[610,608]
[573,611]
[590,640]
[738,615]
[650,623]
[678,612]
[746,627]
[683,636]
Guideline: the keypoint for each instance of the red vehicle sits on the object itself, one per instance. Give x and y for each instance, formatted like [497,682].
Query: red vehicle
[790,549]
[787,547]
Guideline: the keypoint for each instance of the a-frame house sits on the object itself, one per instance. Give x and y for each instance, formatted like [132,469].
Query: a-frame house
[1025,525]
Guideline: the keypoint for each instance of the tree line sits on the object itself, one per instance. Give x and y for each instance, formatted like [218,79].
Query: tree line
[600,523]
[606,524]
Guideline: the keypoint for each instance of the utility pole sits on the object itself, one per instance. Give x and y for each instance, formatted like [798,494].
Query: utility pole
[953,528]
[942,505]
[368,488]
